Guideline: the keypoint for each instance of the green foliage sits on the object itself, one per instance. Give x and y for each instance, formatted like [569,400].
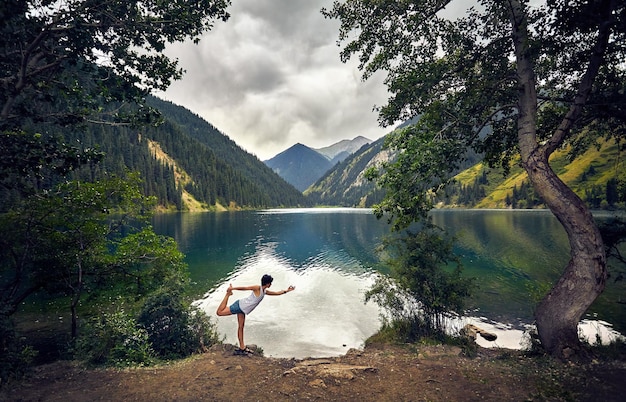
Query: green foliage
[426,284]
[144,262]
[614,236]
[165,328]
[79,238]
[29,159]
[342,185]
[407,330]
[422,167]
[62,62]
[15,357]
[174,328]
[114,339]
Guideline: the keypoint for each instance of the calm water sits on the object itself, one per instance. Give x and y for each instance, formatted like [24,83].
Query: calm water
[330,256]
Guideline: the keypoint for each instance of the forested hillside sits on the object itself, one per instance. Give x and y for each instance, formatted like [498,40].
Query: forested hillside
[598,176]
[266,187]
[185,162]
[345,184]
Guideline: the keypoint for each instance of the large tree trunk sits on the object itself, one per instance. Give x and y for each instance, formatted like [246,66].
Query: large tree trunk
[559,313]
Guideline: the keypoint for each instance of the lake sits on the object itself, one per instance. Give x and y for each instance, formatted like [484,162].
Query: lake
[329,255]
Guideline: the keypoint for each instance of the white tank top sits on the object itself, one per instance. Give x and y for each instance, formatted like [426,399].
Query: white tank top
[249,303]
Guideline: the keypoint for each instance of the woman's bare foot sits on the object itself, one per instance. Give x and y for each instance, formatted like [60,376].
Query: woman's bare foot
[229,291]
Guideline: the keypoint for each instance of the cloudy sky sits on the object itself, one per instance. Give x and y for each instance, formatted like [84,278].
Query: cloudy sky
[271,77]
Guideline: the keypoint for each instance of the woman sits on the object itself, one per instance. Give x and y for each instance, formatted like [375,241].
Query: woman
[244,306]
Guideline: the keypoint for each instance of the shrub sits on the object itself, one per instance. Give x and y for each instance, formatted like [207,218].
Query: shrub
[203,331]
[425,287]
[115,339]
[174,328]
[15,358]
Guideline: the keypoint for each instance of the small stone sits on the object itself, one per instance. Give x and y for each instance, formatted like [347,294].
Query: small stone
[317,383]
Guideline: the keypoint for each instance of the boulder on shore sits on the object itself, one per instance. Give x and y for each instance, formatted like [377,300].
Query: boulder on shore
[471,331]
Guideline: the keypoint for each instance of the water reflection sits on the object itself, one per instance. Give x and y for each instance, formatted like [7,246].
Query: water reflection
[324,316]
[330,255]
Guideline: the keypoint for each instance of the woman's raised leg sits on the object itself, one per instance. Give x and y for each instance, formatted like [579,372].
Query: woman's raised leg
[223,308]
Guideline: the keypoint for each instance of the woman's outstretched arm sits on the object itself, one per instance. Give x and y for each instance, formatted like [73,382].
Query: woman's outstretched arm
[279,292]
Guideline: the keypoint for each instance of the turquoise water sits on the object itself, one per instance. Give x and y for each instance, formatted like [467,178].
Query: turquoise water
[330,256]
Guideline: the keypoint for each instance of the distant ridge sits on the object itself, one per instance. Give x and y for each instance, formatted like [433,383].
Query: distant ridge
[595,176]
[342,149]
[345,184]
[302,166]
[299,166]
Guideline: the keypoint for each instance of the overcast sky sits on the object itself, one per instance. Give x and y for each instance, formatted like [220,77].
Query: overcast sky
[271,77]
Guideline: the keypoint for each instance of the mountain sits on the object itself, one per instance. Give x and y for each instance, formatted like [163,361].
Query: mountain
[342,149]
[345,184]
[302,166]
[299,165]
[185,162]
[597,176]
[268,188]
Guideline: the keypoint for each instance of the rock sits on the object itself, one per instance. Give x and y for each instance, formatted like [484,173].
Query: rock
[314,362]
[488,336]
[326,368]
[317,383]
[471,331]
[354,352]
[222,347]
[253,348]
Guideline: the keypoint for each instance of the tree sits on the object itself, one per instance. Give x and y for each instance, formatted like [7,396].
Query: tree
[66,242]
[508,78]
[63,65]
[68,63]
[423,294]
[63,60]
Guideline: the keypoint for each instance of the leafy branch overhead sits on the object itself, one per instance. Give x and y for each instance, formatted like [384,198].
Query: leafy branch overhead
[61,60]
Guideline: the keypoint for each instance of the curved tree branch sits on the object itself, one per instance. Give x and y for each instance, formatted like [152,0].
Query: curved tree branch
[586,83]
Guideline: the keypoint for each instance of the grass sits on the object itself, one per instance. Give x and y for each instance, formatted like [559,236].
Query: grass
[603,161]
[415,333]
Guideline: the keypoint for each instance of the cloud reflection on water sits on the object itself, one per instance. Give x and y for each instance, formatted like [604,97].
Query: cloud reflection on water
[325,315]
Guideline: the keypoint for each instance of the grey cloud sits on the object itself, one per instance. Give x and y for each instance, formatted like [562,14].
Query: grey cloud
[271,77]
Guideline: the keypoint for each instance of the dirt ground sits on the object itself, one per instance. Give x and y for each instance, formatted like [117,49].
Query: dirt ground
[378,373]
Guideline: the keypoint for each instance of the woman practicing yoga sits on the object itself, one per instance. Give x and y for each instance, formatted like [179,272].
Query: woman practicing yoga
[244,306]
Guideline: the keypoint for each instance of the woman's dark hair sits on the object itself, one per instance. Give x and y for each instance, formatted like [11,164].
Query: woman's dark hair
[266,279]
